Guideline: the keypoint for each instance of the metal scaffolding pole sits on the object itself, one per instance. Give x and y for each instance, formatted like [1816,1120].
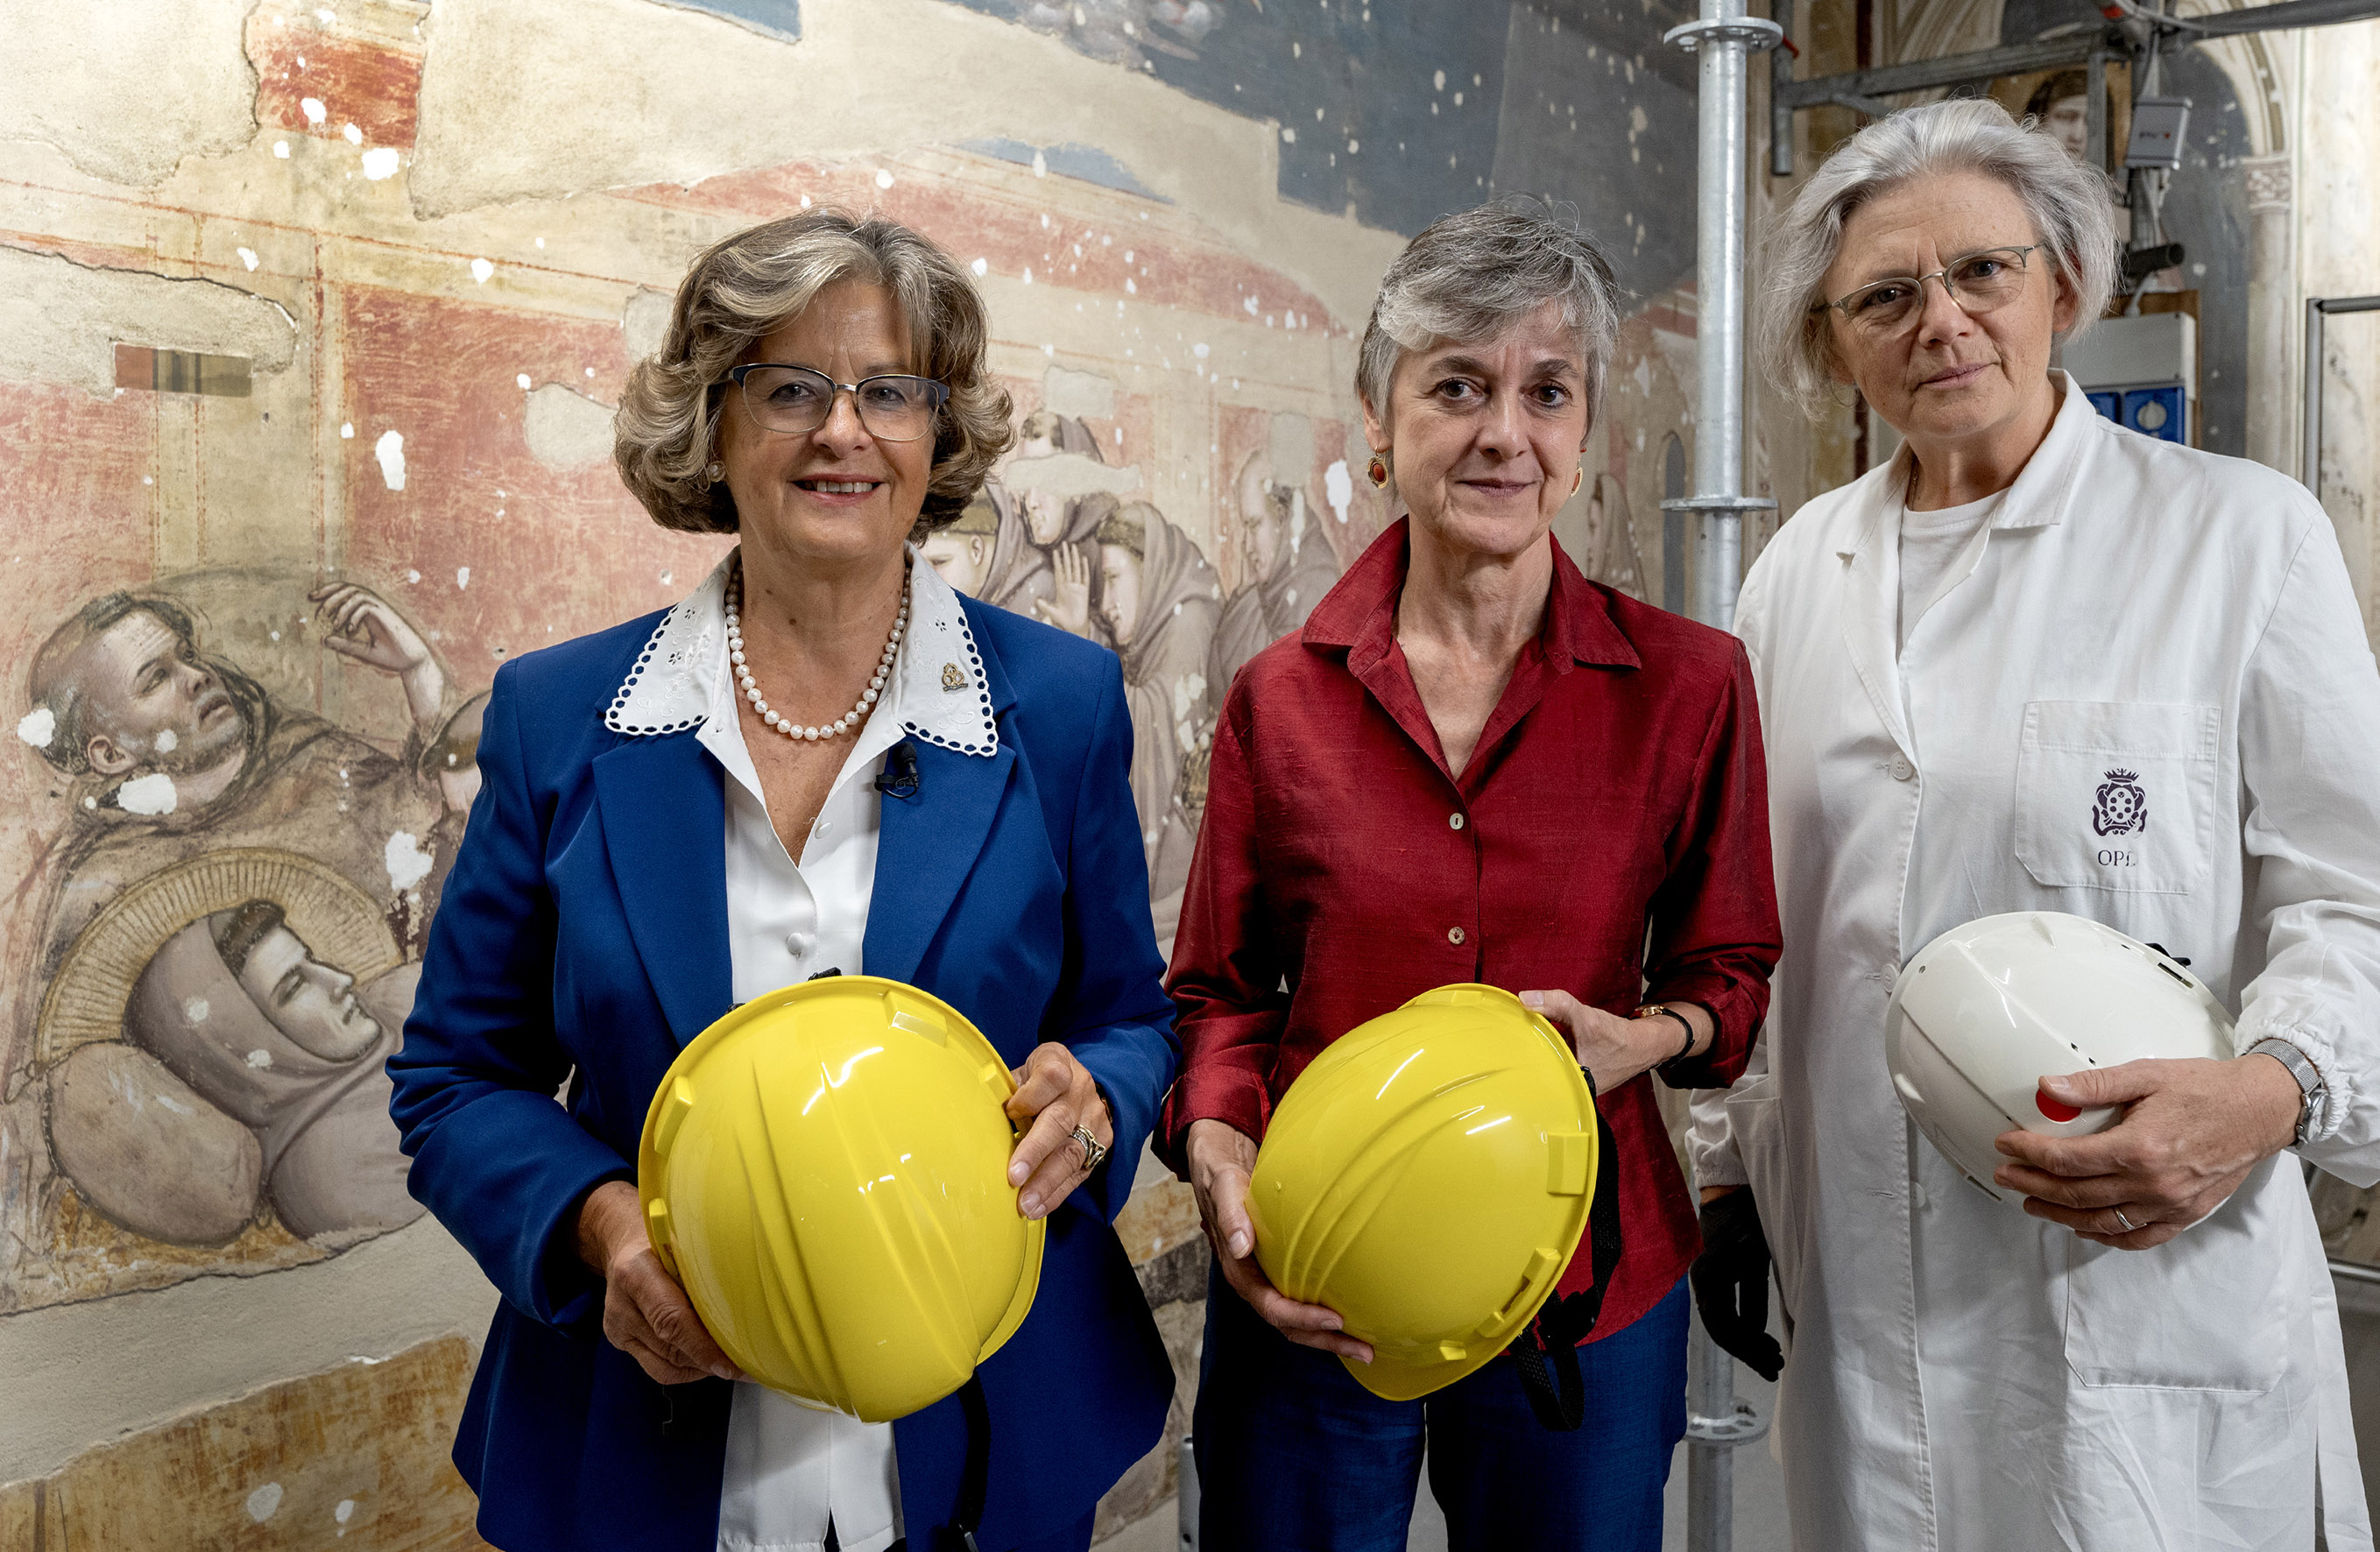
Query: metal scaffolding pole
[1716,1422]
[1723,36]
[2317,308]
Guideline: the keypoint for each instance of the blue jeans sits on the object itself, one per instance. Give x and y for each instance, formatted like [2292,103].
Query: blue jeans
[1294,1456]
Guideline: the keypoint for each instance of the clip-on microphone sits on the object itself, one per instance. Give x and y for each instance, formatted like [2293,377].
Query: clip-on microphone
[900,775]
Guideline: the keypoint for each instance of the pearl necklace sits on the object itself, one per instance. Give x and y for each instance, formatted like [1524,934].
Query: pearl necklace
[868,697]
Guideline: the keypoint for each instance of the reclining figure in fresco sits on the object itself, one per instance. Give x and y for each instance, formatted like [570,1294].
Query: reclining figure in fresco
[174,752]
[249,1071]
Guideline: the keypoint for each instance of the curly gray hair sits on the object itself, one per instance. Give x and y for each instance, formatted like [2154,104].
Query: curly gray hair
[1472,275]
[2068,204]
[746,285]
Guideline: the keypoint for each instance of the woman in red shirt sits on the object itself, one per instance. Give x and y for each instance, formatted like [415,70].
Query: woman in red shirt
[1471,764]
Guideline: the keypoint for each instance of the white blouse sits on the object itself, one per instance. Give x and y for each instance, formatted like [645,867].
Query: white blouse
[791,1467]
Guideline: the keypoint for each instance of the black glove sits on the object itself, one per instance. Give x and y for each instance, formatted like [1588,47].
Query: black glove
[1730,1278]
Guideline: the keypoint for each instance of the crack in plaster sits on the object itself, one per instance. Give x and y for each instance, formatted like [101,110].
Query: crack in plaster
[61,321]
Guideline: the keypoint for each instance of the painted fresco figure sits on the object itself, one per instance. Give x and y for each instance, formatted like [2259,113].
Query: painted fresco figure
[173,752]
[990,555]
[1156,601]
[2061,108]
[250,1072]
[1289,566]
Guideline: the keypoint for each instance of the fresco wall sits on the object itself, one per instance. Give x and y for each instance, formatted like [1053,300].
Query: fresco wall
[313,319]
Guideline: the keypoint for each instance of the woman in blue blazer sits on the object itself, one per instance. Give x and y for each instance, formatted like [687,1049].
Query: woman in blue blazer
[823,759]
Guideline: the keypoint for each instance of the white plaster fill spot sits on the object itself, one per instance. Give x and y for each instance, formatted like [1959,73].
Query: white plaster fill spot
[883,179]
[264,1502]
[462,578]
[522,379]
[407,863]
[981,267]
[481,269]
[1338,489]
[409,576]
[168,741]
[347,430]
[195,1009]
[381,161]
[355,135]
[1199,350]
[315,113]
[247,257]
[346,1511]
[1288,135]
[261,1059]
[281,149]
[390,450]
[152,794]
[38,726]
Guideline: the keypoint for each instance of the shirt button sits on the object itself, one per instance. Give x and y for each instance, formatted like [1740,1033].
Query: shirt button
[1454,821]
[1455,935]
[1901,769]
[797,943]
[821,827]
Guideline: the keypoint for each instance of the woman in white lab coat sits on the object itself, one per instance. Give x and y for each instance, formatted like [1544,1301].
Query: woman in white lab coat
[1958,656]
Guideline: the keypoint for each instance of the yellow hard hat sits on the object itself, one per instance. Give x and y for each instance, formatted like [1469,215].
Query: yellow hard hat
[1427,1178]
[826,1170]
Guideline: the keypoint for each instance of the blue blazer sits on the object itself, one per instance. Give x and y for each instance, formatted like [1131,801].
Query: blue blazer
[583,936]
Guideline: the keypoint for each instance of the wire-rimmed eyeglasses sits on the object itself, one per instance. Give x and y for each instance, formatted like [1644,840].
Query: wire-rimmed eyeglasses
[1978,282]
[894,406]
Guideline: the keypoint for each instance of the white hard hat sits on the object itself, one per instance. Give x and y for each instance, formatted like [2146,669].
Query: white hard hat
[1987,1010]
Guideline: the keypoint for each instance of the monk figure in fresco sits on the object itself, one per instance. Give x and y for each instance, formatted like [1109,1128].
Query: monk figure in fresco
[1158,602]
[249,1072]
[1290,567]
[987,554]
[173,752]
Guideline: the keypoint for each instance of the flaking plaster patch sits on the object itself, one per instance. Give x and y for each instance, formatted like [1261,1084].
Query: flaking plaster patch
[1081,394]
[567,430]
[644,323]
[177,83]
[60,322]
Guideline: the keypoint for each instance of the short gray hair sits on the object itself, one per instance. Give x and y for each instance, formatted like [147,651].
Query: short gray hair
[2068,204]
[1472,275]
[743,288]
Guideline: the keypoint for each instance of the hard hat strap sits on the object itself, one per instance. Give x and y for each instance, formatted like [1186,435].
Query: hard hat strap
[975,1476]
[1546,1354]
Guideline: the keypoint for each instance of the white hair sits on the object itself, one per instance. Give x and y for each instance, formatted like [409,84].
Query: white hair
[1472,275]
[2069,203]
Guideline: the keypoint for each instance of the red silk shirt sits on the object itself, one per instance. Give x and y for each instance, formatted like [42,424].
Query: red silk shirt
[1615,803]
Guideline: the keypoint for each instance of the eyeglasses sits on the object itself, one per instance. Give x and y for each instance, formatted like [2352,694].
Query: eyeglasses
[795,400]
[1979,282]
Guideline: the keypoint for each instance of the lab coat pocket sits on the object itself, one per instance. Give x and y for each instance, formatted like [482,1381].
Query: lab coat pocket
[2116,795]
[2208,1311]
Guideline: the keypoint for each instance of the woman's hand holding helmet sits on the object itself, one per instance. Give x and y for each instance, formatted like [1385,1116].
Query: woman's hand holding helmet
[1221,1159]
[646,1314]
[1614,1049]
[2191,1132]
[1059,1095]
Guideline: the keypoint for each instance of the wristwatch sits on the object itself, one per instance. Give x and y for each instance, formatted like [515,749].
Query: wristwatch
[2314,1091]
[1662,1009]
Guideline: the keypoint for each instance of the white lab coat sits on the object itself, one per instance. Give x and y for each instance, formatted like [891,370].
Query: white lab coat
[1962,1376]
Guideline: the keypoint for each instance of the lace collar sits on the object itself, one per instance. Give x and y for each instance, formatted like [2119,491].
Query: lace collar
[938,692]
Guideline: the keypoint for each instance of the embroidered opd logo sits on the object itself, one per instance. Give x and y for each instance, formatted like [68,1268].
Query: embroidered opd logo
[2122,806]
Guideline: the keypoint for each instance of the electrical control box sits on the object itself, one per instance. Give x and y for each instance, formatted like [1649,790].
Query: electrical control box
[2158,125]
[2140,372]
